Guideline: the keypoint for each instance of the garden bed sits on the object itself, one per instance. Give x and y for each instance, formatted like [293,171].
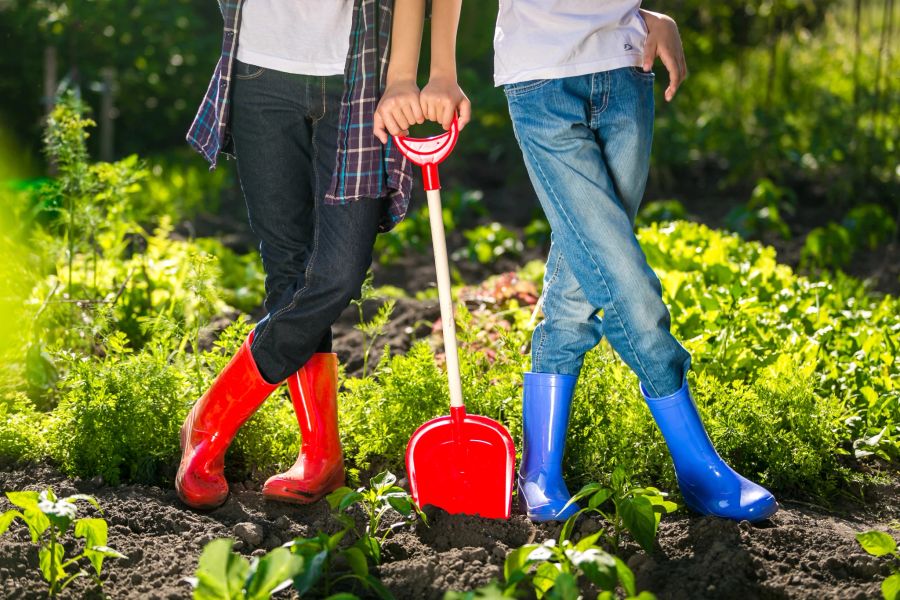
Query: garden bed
[804,551]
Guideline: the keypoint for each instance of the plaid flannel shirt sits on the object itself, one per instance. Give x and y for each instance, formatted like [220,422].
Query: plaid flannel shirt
[364,168]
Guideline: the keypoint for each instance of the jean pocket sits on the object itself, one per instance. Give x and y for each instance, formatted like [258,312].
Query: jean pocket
[639,73]
[513,90]
[245,71]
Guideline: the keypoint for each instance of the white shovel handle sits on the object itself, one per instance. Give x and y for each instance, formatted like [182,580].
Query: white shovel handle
[442,266]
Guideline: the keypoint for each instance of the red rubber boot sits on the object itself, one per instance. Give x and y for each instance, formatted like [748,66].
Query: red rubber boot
[211,426]
[320,466]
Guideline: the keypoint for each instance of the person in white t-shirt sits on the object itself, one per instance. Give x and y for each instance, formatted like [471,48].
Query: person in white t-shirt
[578,80]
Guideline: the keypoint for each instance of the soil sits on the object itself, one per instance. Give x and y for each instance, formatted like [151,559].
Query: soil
[804,551]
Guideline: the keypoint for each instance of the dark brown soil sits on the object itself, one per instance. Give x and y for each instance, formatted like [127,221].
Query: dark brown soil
[803,552]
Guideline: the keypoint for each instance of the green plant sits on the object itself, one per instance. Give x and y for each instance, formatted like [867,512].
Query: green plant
[382,495]
[223,575]
[48,519]
[635,509]
[373,328]
[829,247]
[556,570]
[661,211]
[763,211]
[318,566]
[487,243]
[878,543]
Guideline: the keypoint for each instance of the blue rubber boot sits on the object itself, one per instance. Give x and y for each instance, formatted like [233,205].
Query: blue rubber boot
[708,484]
[546,403]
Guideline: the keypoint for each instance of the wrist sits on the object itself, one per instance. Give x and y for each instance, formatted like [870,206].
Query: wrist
[400,78]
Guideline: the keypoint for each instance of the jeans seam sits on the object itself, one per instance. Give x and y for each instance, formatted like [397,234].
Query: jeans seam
[599,271]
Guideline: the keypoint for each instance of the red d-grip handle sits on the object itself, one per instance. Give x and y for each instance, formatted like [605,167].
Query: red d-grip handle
[429,152]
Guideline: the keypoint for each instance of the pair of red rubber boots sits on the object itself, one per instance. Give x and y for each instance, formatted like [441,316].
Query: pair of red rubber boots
[232,399]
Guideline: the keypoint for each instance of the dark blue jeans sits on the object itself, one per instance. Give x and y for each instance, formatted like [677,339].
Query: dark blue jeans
[315,256]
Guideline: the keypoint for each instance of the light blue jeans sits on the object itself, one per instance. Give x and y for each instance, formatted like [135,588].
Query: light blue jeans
[586,143]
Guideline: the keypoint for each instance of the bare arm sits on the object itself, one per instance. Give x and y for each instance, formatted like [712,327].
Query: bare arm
[442,97]
[664,41]
[399,105]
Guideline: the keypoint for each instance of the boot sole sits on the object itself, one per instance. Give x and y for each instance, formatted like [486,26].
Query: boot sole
[298,496]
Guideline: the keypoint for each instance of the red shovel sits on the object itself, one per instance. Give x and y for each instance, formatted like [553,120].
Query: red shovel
[461,463]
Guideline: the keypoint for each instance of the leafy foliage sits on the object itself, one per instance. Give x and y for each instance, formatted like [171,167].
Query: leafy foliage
[323,565]
[48,519]
[878,543]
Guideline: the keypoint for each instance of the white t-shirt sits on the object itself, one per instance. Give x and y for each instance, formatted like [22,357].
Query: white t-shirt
[551,39]
[305,37]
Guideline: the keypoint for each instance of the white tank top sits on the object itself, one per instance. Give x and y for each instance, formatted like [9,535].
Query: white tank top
[551,39]
[305,37]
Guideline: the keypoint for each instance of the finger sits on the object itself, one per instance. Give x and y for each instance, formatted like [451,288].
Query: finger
[379,130]
[408,113]
[419,115]
[447,112]
[400,118]
[649,54]
[391,124]
[430,110]
[465,113]
[674,75]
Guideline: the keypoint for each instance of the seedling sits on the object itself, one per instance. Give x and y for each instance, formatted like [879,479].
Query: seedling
[636,509]
[878,543]
[374,328]
[48,519]
[553,569]
[383,495]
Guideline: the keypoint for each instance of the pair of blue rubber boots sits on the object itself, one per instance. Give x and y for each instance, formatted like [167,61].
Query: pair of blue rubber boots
[708,484]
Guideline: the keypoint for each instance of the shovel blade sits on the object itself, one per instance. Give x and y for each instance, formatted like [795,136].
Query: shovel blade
[463,464]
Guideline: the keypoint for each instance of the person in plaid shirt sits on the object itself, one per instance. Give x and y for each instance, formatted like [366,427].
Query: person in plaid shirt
[304,96]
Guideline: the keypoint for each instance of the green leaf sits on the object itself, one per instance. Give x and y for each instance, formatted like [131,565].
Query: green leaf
[52,562]
[220,572]
[565,532]
[545,577]
[380,590]
[312,571]
[599,498]
[601,574]
[640,519]
[357,559]
[890,587]
[564,588]
[273,572]
[7,518]
[23,499]
[401,505]
[94,532]
[383,479]
[86,497]
[370,548]
[343,596]
[626,577]
[335,497]
[588,541]
[876,543]
[516,560]
[37,522]
[585,491]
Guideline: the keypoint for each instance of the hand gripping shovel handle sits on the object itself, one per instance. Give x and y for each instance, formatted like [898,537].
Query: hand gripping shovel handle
[428,153]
